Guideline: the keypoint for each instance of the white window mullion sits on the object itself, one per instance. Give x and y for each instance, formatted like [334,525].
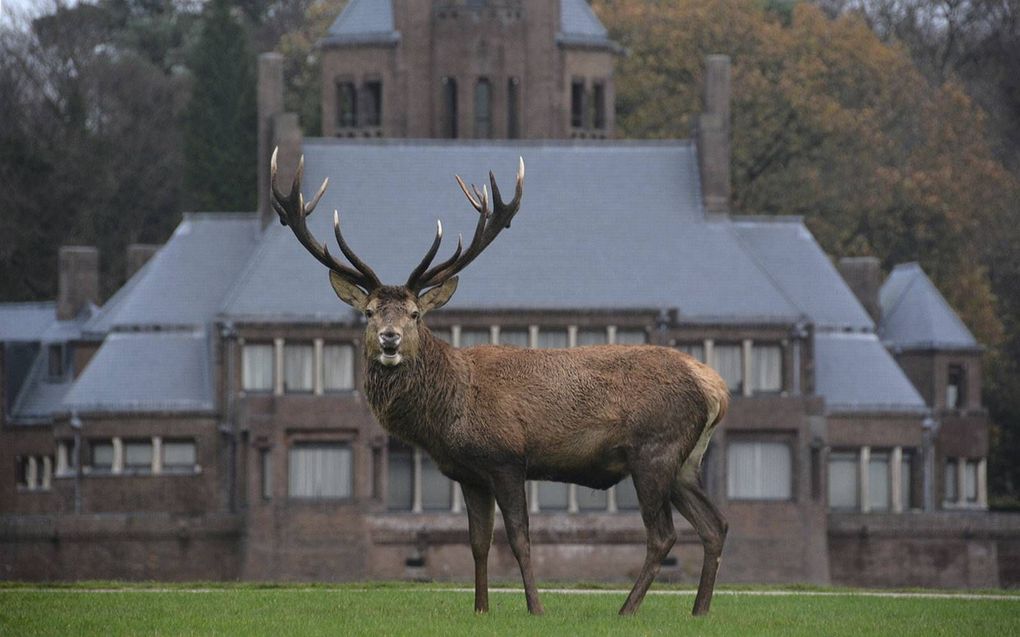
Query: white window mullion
[961,481]
[118,456]
[157,455]
[533,336]
[533,496]
[746,367]
[455,336]
[317,367]
[31,475]
[494,334]
[47,473]
[278,366]
[572,498]
[710,352]
[611,499]
[611,334]
[896,479]
[571,336]
[63,466]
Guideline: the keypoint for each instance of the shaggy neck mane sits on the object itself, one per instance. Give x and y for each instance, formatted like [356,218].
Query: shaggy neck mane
[418,398]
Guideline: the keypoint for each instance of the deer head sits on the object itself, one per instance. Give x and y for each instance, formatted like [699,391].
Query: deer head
[394,312]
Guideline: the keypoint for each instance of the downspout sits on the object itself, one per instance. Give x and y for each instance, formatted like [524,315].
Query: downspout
[930,431]
[76,425]
[229,427]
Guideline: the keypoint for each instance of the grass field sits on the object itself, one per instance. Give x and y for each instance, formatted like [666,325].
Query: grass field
[426,609]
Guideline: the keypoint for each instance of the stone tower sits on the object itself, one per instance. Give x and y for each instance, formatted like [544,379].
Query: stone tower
[472,69]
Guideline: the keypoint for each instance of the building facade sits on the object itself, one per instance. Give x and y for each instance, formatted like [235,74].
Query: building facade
[206,422]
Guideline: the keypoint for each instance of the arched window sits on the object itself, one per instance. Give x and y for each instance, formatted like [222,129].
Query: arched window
[449,121]
[483,109]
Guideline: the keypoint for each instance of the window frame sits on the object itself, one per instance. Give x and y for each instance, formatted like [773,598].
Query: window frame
[272,367]
[174,468]
[311,442]
[346,94]
[326,389]
[483,124]
[788,440]
[293,345]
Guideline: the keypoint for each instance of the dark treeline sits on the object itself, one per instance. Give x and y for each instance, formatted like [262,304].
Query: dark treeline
[892,126]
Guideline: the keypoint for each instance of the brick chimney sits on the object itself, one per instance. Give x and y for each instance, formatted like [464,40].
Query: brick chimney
[138,254]
[77,280]
[714,136]
[864,276]
[270,104]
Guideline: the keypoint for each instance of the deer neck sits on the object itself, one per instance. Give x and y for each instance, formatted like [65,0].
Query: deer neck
[418,399]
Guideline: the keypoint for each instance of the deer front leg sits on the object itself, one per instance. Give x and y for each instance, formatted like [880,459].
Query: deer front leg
[509,491]
[480,511]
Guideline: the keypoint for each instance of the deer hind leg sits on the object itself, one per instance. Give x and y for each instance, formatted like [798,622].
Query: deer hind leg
[509,492]
[653,490]
[479,503]
[690,499]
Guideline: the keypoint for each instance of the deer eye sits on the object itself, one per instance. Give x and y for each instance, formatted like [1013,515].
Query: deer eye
[415,314]
[369,313]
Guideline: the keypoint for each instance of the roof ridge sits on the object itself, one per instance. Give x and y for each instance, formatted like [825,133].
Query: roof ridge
[245,273]
[899,299]
[941,300]
[764,270]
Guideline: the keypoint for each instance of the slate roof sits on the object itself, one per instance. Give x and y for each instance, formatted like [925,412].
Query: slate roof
[147,371]
[26,321]
[184,283]
[580,26]
[40,396]
[790,254]
[602,226]
[363,22]
[855,373]
[915,315]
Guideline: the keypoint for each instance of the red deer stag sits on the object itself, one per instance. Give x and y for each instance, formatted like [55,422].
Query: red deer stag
[493,417]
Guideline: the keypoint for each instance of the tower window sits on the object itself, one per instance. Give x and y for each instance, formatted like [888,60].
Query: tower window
[598,113]
[483,109]
[372,95]
[449,124]
[513,123]
[577,104]
[346,105]
[956,387]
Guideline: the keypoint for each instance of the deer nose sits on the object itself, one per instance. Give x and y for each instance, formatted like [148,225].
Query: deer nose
[389,339]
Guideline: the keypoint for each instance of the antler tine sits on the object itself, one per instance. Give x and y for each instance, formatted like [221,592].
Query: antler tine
[488,227]
[426,261]
[293,211]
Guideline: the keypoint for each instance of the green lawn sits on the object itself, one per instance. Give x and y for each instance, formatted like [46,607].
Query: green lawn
[403,609]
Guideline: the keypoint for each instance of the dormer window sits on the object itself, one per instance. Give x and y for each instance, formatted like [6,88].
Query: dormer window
[372,94]
[346,105]
[55,362]
[956,387]
[577,103]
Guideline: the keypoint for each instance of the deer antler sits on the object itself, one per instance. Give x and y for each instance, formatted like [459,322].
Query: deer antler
[293,210]
[490,224]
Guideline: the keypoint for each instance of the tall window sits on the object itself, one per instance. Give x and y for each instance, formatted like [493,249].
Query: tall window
[483,109]
[515,337]
[956,387]
[631,337]
[257,367]
[553,496]
[102,455]
[598,106]
[346,105]
[436,489]
[450,114]
[298,367]
[513,122]
[577,104]
[552,338]
[878,481]
[951,478]
[400,477]
[320,470]
[337,367]
[759,471]
[138,455]
[730,365]
[696,350]
[626,495]
[843,480]
[970,472]
[766,368]
[372,96]
[592,336]
[472,337]
[179,456]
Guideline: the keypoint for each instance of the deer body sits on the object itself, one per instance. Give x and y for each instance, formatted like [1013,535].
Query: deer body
[493,417]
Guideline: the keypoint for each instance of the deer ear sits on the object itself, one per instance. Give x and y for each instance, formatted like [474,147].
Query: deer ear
[348,292]
[437,297]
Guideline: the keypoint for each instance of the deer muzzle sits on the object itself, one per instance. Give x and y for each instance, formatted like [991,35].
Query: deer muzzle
[389,343]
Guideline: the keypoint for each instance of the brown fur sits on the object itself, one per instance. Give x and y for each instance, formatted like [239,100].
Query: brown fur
[492,417]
